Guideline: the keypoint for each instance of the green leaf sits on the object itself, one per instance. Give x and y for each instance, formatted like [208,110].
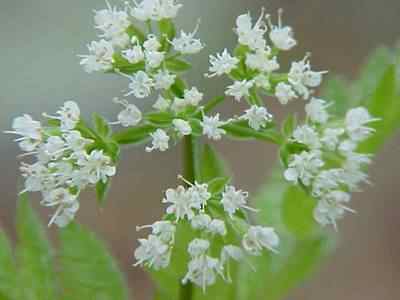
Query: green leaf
[178,87]
[8,272]
[36,279]
[241,130]
[197,129]
[88,271]
[168,32]
[336,90]
[135,135]
[124,66]
[177,65]
[288,125]
[134,31]
[211,165]
[102,191]
[218,184]
[161,118]
[101,126]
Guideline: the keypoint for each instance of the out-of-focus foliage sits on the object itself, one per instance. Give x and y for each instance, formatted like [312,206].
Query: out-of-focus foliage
[81,269]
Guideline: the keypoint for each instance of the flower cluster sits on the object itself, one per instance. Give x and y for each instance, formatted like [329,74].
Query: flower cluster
[214,217]
[328,163]
[63,164]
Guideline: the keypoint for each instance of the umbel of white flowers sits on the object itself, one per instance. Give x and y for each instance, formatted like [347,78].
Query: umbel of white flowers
[192,205]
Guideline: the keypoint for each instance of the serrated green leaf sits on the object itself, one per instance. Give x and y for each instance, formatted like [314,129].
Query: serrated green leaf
[88,271]
[101,126]
[134,31]
[135,135]
[36,278]
[8,271]
[241,130]
[177,65]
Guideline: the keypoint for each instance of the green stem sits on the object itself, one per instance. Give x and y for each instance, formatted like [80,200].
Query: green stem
[189,172]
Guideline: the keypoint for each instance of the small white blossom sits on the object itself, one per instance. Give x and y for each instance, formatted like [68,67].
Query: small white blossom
[151,43]
[140,85]
[231,251]
[160,141]
[304,167]
[326,181]
[233,199]
[193,96]
[282,37]
[202,271]
[134,55]
[154,58]
[75,142]
[198,247]
[201,221]
[356,119]
[330,137]
[217,227]
[161,104]
[211,127]
[259,237]
[182,126]
[165,230]
[262,81]
[68,115]
[257,116]
[199,195]
[222,63]
[35,176]
[186,43]
[261,61]
[163,80]
[29,130]
[250,36]
[180,203]
[130,116]
[316,110]
[100,57]
[54,147]
[153,253]
[67,205]
[284,93]
[239,89]
[97,166]
[308,136]
[155,10]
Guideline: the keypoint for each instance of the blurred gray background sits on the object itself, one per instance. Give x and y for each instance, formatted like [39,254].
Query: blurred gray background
[40,41]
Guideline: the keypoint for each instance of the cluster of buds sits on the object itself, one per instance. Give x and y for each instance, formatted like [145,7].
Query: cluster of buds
[214,214]
[65,162]
[326,161]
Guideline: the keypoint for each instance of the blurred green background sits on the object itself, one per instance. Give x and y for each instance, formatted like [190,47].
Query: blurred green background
[40,41]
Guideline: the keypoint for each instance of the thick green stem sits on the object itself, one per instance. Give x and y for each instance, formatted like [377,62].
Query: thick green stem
[189,172]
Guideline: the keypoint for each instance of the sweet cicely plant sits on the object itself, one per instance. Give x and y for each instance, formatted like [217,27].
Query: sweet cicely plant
[207,214]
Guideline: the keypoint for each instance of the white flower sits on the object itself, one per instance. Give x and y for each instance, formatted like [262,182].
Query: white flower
[316,110]
[134,55]
[96,166]
[217,227]
[163,80]
[356,119]
[327,180]
[154,58]
[211,127]
[330,137]
[257,116]
[186,43]
[233,199]
[140,85]
[239,89]
[202,271]
[262,81]
[231,251]
[198,247]
[130,116]
[353,175]
[112,22]
[165,230]
[182,126]
[153,253]
[199,195]
[155,10]
[54,147]
[332,207]
[259,237]
[29,130]
[100,57]
[308,136]
[159,142]
[161,104]
[260,61]
[75,142]
[222,63]
[36,176]
[193,96]
[253,37]
[282,37]
[68,115]
[201,221]
[65,201]
[66,215]
[304,167]
[180,203]
[151,43]
[284,93]
[347,147]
